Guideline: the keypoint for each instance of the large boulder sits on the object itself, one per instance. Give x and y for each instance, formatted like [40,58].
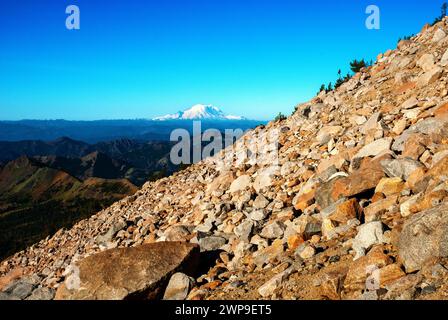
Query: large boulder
[424,237]
[129,273]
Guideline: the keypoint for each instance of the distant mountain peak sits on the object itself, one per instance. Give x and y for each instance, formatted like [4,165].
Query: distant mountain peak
[199,112]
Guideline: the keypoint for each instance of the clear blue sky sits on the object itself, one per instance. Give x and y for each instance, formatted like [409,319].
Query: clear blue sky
[139,59]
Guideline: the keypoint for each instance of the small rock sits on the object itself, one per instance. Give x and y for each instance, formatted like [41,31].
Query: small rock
[258,215]
[328,132]
[212,243]
[241,183]
[438,35]
[323,195]
[401,168]
[363,267]
[334,259]
[108,236]
[311,229]
[260,202]
[346,211]
[372,123]
[273,230]
[410,103]
[390,186]
[301,202]
[331,284]
[389,274]
[306,252]
[268,289]
[403,288]
[430,77]
[369,234]
[328,228]
[406,206]
[259,241]
[262,181]
[412,114]
[399,126]
[428,289]
[177,233]
[20,289]
[263,256]
[358,182]
[178,287]
[244,230]
[374,148]
[42,293]
[376,209]
[426,62]
[294,241]
[444,60]
[439,156]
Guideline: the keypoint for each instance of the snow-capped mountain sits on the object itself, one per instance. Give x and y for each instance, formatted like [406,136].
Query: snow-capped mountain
[199,112]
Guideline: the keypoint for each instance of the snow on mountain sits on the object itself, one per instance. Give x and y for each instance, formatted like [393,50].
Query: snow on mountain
[200,112]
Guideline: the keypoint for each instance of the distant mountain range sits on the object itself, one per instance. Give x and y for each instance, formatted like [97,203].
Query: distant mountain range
[136,161]
[108,130]
[37,200]
[200,112]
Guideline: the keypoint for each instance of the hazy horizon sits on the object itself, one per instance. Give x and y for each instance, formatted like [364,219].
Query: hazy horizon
[128,119]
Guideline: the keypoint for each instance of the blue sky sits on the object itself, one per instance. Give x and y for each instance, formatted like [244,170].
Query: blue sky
[139,59]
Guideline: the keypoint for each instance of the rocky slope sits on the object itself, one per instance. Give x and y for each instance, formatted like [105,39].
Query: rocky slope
[356,208]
